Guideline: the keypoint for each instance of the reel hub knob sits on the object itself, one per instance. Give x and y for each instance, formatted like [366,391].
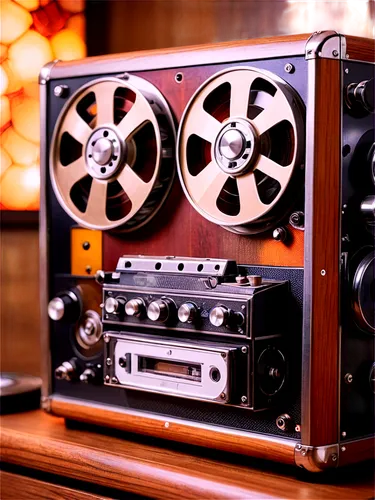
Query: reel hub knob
[219,316]
[65,307]
[159,310]
[135,307]
[187,312]
[113,306]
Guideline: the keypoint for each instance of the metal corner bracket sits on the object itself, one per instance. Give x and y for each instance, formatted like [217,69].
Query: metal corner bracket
[316,458]
[45,404]
[45,72]
[326,45]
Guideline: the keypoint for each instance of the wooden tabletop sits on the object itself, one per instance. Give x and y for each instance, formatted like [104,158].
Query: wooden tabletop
[156,469]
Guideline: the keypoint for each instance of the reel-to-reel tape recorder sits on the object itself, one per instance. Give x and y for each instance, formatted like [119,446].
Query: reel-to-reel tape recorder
[254,162]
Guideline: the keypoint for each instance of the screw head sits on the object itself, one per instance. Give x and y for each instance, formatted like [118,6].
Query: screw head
[88,269]
[303,453]
[298,447]
[106,338]
[107,378]
[108,361]
[243,399]
[348,378]
[297,428]
[114,380]
[86,245]
[222,395]
[343,434]
[244,349]
[279,234]
[343,448]
[166,425]
[346,70]
[335,53]
[60,91]
[289,68]
[334,457]
[323,272]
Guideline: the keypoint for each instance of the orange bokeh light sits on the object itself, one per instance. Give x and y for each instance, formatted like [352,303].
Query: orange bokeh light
[67,45]
[20,187]
[14,21]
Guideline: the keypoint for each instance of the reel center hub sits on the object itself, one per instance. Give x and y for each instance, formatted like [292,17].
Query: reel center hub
[105,153]
[235,146]
[102,151]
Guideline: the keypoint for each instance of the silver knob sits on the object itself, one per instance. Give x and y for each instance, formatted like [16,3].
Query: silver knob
[65,306]
[158,310]
[65,371]
[368,208]
[87,376]
[187,312]
[112,305]
[56,309]
[134,307]
[280,234]
[219,316]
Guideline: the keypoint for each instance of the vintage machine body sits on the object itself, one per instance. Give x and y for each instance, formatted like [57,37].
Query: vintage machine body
[207,261]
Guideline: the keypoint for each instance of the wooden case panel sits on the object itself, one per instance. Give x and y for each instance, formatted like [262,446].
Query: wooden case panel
[322,257]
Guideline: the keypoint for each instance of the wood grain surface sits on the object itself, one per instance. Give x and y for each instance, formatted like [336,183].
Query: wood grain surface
[17,487]
[40,441]
[256,445]
[360,49]
[322,258]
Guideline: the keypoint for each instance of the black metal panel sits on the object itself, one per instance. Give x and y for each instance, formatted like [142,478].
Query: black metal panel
[357,417]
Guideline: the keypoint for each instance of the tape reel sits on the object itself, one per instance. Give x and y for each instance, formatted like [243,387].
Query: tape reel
[240,142]
[111,162]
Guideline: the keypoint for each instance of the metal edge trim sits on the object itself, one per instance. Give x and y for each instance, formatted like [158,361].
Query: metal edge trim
[45,72]
[43,254]
[178,57]
[326,45]
[174,429]
[307,280]
[317,458]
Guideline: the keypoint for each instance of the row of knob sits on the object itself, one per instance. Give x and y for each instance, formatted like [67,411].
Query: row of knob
[162,310]
[67,307]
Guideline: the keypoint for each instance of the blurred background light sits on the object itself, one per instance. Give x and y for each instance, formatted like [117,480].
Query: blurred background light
[32,33]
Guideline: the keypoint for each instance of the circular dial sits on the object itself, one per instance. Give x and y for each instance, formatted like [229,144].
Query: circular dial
[135,307]
[187,312]
[159,310]
[219,316]
[65,307]
[363,293]
[240,141]
[113,305]
[111,152]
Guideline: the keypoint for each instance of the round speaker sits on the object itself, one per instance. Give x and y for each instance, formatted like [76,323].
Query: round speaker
[19,392]
[363,293]
[111,159]
[240,144]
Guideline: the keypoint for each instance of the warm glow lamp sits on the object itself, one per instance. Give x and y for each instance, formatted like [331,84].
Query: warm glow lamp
[32,33]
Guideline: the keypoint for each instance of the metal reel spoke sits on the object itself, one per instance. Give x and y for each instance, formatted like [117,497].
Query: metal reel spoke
[72,173]
[202,124]
[274,170]
[278,110]
[134,187]
[207,185]
[240,92]
[76,126]
[251,205]
[139,113]
[104,94]
[96,206]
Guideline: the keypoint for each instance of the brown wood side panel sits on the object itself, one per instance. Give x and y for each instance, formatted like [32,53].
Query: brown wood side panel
[190,56]
[280,450]
[353,451]
[360,49]
[16,487]
[322,258]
